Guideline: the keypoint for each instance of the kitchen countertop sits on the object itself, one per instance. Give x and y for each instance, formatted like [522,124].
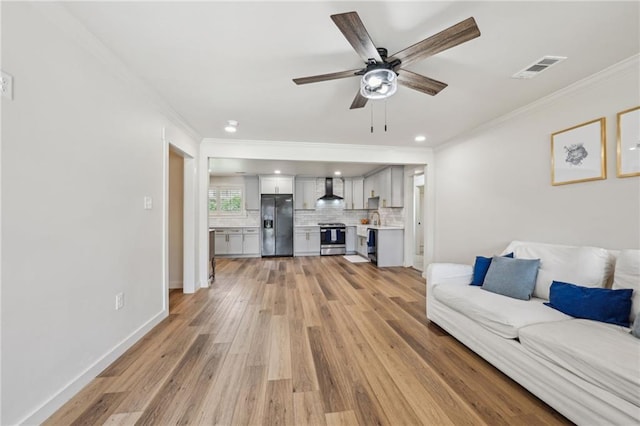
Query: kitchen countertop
[383,226]
[233,226]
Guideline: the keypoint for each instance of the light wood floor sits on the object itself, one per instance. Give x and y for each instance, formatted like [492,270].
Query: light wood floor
[295,341]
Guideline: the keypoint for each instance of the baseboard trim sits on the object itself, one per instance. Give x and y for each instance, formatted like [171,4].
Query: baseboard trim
[175,284]
[49,407]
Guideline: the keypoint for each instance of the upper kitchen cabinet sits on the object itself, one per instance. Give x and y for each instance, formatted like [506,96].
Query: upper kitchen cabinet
[305,195]
[252,193]
[276,184]
[397,186]
[354,193]
[388,184]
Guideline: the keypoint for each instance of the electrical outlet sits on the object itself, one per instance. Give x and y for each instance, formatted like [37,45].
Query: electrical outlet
[148,203]
[6,85]
[119,301]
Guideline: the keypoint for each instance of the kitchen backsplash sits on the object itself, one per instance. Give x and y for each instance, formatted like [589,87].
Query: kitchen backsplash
[388,217]
[252,218]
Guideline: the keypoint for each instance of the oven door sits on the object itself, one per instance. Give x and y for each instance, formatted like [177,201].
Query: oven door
[333,240]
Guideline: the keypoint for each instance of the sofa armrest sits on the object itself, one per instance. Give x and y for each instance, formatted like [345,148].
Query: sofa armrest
[449,273]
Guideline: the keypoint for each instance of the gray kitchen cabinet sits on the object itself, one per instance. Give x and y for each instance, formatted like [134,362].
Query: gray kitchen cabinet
[362,246]
[276,185]
[306,241]
[354,193]
[390,247]
[397,186]
[251,193]
[305,194]
[251,241]
[228,241]
[351,239]
[388,184]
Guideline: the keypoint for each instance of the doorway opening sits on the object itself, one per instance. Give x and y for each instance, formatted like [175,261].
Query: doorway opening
[176,223]
[418,222]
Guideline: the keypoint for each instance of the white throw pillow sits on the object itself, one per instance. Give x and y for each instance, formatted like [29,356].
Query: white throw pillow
[584,266]
[627,275]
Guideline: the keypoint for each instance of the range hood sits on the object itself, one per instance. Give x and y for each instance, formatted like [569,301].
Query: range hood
[328,191]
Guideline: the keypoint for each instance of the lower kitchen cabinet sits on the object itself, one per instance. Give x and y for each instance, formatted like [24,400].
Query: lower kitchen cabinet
[251,241]
[306,241]
[237,241]
[362,246]
[350,239]
[390,247]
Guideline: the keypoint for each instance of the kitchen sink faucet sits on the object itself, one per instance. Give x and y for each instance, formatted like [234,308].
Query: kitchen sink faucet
[375,222]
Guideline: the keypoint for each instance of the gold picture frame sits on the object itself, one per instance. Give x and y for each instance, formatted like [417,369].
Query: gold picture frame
[578,154]
[628,143]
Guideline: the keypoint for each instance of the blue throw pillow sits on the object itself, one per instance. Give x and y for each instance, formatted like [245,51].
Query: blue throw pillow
[481,267]
[512,277]
[599,304]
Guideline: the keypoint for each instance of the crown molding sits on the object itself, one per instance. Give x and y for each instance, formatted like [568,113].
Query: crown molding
[631,63]
[58,15]
[313,151]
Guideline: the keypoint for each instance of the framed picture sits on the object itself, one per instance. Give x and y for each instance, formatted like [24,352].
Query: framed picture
[628,148]
[578,153]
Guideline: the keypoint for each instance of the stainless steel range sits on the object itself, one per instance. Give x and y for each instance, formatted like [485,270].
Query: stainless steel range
[332,239]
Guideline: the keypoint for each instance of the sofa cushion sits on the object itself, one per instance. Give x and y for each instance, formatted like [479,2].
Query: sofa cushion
[512,277]
[605,355]
[501,315]
[480,268]
[598,304]
[635,327]
[627,275]
[588,266]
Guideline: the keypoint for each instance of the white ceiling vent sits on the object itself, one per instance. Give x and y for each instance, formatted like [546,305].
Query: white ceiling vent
[538,66]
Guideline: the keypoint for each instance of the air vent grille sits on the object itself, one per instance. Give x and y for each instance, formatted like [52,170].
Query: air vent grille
[538,66]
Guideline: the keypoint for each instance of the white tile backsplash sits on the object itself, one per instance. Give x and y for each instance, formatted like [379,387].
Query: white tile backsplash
[251,218]
[328,213]
[388,216]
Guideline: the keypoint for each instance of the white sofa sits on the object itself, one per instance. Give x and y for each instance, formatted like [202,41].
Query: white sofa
[588,371]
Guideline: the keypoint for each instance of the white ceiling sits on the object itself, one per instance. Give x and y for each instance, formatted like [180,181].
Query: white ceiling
[215,61]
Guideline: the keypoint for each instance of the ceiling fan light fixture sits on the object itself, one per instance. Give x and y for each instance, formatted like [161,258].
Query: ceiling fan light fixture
[378,83]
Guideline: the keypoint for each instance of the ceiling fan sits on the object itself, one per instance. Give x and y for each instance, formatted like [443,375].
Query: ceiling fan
[382,73]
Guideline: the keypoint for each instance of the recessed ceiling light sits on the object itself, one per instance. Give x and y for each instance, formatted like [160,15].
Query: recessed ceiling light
[420,138]
[231,127]
[337,173]
[276,172]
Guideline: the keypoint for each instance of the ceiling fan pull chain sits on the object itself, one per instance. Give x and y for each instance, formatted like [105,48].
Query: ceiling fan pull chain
[371,103]
[385,114]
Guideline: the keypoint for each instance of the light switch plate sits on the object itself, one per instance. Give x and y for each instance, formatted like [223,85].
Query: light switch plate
[148,203]
[6,85]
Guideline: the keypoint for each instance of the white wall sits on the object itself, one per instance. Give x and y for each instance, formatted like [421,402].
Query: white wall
[81,147]
[176,219]
[493,185]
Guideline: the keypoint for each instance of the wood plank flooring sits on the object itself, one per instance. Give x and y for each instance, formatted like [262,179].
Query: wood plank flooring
[302,341]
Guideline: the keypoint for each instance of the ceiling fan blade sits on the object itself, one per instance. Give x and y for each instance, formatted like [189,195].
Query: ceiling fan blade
[356,34]
[445,39]
[420,82]
[325,77]
[359,101]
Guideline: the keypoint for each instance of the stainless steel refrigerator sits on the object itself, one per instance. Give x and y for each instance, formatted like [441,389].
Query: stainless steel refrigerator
[276,211]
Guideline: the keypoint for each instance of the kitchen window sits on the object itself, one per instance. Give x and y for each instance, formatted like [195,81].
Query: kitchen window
[226,200]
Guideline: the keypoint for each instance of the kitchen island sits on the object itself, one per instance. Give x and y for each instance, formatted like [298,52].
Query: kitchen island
[389,244]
